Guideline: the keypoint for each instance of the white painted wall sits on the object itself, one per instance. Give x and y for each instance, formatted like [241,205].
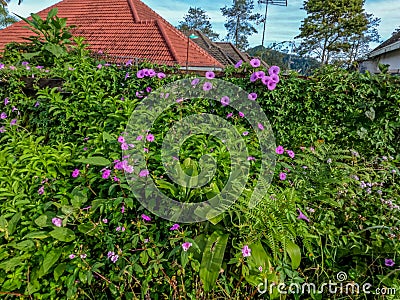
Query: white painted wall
[391,58]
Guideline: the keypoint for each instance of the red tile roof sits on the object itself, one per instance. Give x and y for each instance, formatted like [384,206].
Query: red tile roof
[124,29]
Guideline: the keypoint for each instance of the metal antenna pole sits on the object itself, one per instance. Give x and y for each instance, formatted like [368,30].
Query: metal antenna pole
[265,23]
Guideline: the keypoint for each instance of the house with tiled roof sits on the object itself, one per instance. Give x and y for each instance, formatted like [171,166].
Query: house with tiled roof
[123,30]
[226,53]
[387,53]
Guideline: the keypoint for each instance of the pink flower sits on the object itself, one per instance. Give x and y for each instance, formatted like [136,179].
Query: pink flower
[72,256]
[290,153]
[265,80]
[279,150]
[246,251]
[124,146]
[253,77]
[151,73]
[238,64]
[6,101]
[116,178]
[252,96]
[114,258]
[260,74]
[83,255]
[99,66]
[302,216]
[160,75]
[106,174]
[245,133]
[271,85]
[282,176]
[150,137]
[260,268]
[13,122]
[251,158]
[225,100]
[110,254]
[3,116]
[140,74]
[174,227]
[274,78]
[229,115]
[144,173]
[139,138]
[57,222]
[146,218]
[274,70]
[122,209]
[260,126]
[241,114]
[146,150]
[255,62]
[121,139]
[41,190]
[186,246]
[207,86]
[75,173]
[195,81]
[105,221]
[210,75]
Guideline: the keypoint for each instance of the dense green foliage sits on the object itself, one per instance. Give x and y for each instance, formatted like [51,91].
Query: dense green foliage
[70,227]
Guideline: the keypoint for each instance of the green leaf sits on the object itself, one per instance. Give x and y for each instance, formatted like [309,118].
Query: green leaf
[29,56]
[107,137]
[13,262]
[27,245]
[52,13]
[94,160]
[59,270]
[49,260]
[41,221]
[56,50]
[12,224]
[63,234]
[212,259]
[294,252]
[36,235]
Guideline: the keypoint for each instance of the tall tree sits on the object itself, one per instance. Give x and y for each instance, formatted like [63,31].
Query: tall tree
[329,26]
[5,2]
[240,22]
[5,18]
[197,19]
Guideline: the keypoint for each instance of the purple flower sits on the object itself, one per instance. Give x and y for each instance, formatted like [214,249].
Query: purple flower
[123,209]
[12,68]
[13,122]
[57,222]
[139,94]
[151,73]
[225,100]
[70,69]
[252,96]
[37,104]
[14,108]
[146,72]
[274,70]
[139,138]
[245,133]
[116,178]
[126,76]
[207,86]
[144,173]
[99,66]
[150,138]
[2,66]
[75,173]
[72,256]
[302,216]
[118,228]
[255,62]
[3,116]
[186,246]
[2,130]
[161,75]
[210,75]
[129,62]
[121,139]
[124,146]
[6,101]
[146,218]
[110,253]
[105,221]
[271,85]
[246,251]
[24,63]
[174,227]
[260,268]
[229,115]
[39,67]
[282,176]
[260,74]
[260,126]
[274,78]
[106,173]
[279,150]
[195,81]
[265,80]
[251,158]
[253,77]
[83,255]
[128,169]
[114,258]
[290,153]
[146,150]
[140,74]
[241,114]
[41,190]
[389,262]
[238,64]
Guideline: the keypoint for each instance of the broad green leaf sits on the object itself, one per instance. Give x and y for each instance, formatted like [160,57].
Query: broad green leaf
[12,224]
[63,234]
[41,221]
[13,262]
[29,56]
[212,259]
[52,13]
[94,160]
[36,235]
[49,260]
[294,252]
[27,245]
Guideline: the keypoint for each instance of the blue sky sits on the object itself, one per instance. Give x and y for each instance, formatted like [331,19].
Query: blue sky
[282,25]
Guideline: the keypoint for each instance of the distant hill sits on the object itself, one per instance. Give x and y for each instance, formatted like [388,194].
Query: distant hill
[303,65]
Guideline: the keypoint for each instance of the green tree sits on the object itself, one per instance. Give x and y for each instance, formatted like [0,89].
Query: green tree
[240,22]
[329,26]
[5,18]
[197,19]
